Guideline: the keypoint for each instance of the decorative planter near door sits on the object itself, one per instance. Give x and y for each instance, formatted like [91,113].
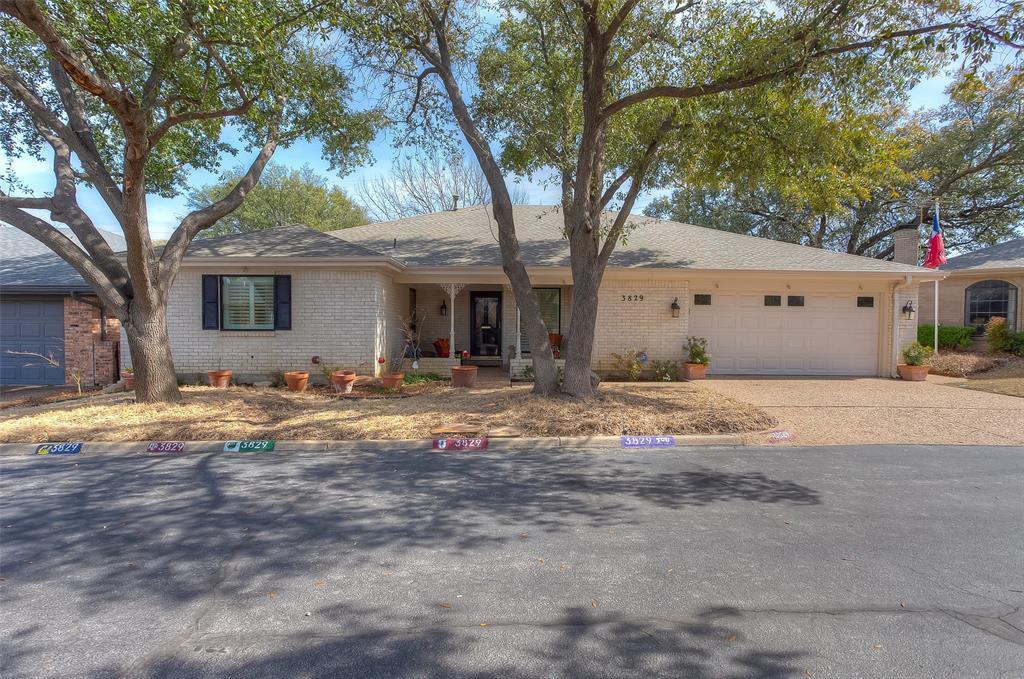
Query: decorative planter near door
[913,373]
[695,371]
[464,376]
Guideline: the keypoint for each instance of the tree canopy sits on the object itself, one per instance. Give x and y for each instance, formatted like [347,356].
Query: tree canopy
[283,196]
[967,154]
[129,98]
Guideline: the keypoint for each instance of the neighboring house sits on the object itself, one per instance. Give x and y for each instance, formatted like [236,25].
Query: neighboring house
[47,308]
[270,301]
[980,284]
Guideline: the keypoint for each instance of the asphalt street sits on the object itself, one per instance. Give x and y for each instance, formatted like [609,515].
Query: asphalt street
[886,561]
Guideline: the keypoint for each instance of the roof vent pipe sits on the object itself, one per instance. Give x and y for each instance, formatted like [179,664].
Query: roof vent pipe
[455,202]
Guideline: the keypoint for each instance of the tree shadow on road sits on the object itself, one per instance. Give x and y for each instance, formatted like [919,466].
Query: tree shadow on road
[160,532]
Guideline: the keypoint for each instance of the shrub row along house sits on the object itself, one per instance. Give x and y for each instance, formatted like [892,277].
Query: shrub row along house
[53,326]
[290,298]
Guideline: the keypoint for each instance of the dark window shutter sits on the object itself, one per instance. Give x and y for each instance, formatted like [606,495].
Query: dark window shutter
[211,308]
[282,302]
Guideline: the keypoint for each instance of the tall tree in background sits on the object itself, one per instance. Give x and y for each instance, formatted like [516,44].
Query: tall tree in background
[612,95]
[969,154]
[126,99]
[427,183]
[283,196]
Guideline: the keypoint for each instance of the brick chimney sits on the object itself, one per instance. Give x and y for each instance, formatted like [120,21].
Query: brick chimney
[906,246]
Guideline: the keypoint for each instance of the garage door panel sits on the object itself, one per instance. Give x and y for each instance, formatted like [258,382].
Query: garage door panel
[32,326]
[829,335]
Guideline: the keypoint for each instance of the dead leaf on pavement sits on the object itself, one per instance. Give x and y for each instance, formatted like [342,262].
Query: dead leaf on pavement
[593,603]
[319,583]
[731,637]
[483,624]
[445,604]
[272,595]
[903,603]
[877,647]
[541,561]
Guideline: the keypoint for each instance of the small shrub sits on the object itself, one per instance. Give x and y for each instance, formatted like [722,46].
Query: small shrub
[956,364]
[950,336]
[997,334]
[526,374]
[665,371]
[917,354]
[1016,344]
[628,364]
[697,350]
[422,378]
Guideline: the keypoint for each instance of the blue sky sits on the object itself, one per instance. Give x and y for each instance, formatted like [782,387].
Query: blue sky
[165,213]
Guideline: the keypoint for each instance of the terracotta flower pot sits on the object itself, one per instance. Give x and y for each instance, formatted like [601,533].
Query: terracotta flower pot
[695,371]
[393,380]
[464,375]
[343,380]
[220,379]
[129,381]
[297,380]
[913,373]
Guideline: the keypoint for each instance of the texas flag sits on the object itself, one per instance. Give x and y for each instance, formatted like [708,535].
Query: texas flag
[936,248]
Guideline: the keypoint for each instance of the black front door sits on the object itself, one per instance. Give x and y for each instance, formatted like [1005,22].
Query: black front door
[485,323]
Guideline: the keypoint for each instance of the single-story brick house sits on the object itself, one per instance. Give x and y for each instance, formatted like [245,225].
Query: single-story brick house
[273,300]
[47,308]
[979,285]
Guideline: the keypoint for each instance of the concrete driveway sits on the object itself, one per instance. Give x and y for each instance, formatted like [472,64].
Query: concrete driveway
[823,411]
[704,563]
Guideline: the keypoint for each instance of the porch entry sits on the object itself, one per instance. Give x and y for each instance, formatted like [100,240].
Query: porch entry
[485,325]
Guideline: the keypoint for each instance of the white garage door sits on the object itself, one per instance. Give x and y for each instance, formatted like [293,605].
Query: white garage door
[748,334]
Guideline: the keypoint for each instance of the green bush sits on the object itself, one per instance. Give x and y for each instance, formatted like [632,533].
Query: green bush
[1016,344]
[628,365]
[998,335]
[950,336]
[917,354]
[697,350]
[665,371]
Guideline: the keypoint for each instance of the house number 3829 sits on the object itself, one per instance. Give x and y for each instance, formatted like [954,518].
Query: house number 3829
[632,298]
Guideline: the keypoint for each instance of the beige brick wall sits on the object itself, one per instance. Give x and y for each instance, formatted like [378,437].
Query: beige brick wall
[340,316]
[952,295]
[646,325]
[907,328]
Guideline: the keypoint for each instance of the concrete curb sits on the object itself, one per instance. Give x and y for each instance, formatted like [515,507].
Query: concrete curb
[91,448]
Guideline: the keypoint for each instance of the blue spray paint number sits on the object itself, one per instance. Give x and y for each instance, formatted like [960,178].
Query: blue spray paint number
[59,449]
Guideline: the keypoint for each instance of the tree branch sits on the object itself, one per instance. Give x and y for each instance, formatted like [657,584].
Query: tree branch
[68,251]
[748,79]
[204,218]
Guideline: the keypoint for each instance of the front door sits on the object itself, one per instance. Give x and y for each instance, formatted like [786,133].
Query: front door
[485,324]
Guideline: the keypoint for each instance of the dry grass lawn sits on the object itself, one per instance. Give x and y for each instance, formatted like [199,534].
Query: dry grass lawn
[1005,378]
[249,413]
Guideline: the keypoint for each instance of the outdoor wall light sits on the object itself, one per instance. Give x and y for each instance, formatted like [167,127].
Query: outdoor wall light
[908,310]
[675,308]
[444,309]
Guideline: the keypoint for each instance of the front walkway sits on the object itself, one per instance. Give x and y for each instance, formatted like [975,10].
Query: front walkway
[874,410]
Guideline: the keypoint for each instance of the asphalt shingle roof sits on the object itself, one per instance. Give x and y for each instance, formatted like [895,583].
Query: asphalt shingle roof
[284,241]
[469,237]
[27,263]
[1006,255]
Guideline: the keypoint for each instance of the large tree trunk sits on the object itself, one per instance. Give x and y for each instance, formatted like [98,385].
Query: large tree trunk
[155,378]
[576,381]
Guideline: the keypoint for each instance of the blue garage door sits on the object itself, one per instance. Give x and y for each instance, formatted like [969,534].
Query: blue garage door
[34,325]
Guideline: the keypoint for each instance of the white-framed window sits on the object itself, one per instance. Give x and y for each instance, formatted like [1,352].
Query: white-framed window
[247,302]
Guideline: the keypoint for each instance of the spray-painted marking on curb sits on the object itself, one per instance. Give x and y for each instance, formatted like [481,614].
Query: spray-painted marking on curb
[780,435]
[59,448]
[165,447]
[249,446]
[461,444]
[648,441]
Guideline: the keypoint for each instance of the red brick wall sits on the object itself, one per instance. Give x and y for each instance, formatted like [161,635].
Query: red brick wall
[82,340]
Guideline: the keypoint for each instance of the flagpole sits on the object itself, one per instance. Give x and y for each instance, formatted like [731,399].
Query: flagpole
[935,307]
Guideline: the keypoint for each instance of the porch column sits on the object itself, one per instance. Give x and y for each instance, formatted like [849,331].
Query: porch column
[452,289]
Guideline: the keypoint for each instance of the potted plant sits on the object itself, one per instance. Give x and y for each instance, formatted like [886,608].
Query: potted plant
[297,380]
[343,380]
[697,358]
[464,376]
[221,379]
[393,375]
[128,377]
[915,362]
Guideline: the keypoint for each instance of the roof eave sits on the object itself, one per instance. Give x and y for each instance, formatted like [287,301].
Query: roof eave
[192,261]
